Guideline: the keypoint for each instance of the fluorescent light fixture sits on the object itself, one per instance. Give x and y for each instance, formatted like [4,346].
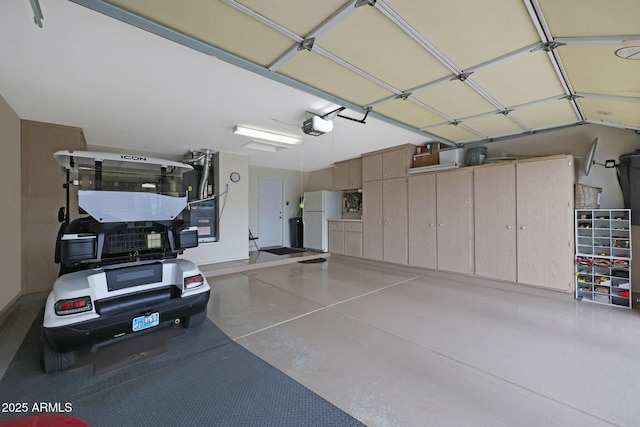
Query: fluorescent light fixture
[268,136]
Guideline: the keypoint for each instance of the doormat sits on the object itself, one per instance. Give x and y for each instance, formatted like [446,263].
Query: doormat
[283,251]
[313,261]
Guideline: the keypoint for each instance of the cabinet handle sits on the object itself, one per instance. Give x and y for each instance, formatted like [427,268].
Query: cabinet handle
[385,223]
[522,228]
[508,227]
[431,225]
[439,225]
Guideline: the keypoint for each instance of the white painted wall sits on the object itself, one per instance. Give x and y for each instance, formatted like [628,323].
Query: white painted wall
[234,218]
[11,258]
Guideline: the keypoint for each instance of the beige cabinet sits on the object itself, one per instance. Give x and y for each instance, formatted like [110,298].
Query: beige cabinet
[495,222]
[347,175]
[422,235]
[392,163]
[394,220]
[42,196]
[385,220]
[372,220]
[454,194]
[544,209]
[336,237]
[345,238]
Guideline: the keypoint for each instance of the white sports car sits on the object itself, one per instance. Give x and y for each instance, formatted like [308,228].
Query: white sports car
[119,271]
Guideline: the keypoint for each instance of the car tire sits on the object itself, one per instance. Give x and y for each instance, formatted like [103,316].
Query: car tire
[194,320]
[53,361]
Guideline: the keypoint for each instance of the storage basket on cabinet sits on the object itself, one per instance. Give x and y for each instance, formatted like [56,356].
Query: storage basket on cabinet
[587,197]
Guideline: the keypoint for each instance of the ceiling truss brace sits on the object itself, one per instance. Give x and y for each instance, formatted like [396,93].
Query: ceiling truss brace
[307,44]
[365,3]
[540,23]
[321,29]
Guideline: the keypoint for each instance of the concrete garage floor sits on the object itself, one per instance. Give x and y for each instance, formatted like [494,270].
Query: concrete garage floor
[403,347]
[400,348]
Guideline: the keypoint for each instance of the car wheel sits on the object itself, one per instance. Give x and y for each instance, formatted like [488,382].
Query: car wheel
[53,361]
[194,320]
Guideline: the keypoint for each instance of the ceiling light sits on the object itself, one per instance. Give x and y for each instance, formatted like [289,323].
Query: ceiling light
[268,136]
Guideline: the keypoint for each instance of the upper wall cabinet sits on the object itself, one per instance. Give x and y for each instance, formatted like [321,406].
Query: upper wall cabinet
[347,175]
[392,163]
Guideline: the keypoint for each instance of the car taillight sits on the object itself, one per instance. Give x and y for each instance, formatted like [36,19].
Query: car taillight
[193,281]
[73,306]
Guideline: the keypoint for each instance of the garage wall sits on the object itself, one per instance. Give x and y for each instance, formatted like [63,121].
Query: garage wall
[10,195]
[234,221]
[320,180]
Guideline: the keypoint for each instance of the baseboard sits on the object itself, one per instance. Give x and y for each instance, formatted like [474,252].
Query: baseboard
[10,311]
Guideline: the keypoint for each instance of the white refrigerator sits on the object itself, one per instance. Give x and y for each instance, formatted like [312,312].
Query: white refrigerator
[319,207]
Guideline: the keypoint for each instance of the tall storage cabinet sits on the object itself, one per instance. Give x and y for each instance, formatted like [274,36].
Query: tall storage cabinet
[372,220]
[454,207]
[603,256]
[544,208]
[384,204]
[394,217]
[42,196]
[384,220]
[423,249]
[495,222]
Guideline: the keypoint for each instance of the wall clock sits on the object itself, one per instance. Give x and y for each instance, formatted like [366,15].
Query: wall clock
[235,177]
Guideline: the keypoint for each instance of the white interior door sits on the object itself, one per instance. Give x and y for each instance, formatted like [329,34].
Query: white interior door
[270,210]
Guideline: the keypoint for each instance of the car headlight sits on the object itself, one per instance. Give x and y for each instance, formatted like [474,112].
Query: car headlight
[73,306]
[193,281]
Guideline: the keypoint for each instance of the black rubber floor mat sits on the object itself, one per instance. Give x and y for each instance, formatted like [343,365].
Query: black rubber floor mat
[204,378]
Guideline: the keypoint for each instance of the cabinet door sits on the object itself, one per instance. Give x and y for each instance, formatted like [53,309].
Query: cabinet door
[336,242]
[353,243]
[355,173]
[495,222]
[394,217]
[422,221]
[372,220]
[455,221]
[395,163]
[545,223]
[372,167]
[341,176]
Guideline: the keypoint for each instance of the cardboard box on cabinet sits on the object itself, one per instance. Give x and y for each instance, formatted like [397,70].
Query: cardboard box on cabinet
[426,155]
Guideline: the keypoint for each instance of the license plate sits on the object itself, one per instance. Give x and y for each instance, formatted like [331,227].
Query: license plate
[146,322]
